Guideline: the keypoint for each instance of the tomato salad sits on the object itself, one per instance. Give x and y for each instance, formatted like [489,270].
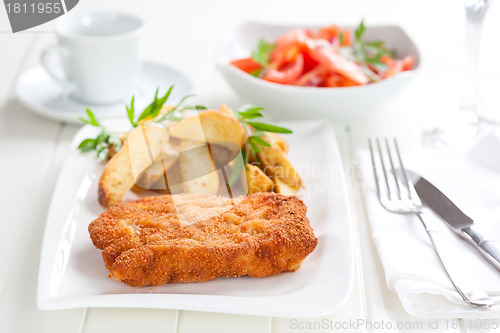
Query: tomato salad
[329,57]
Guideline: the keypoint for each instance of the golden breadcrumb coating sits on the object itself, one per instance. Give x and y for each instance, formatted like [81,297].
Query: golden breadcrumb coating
[200,237]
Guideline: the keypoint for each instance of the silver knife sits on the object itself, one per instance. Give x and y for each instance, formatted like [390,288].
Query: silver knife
[459,222]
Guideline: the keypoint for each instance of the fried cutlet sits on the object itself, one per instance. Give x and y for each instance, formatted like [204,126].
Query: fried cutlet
[200,237]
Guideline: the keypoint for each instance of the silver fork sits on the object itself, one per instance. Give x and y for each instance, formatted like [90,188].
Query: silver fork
[397,194]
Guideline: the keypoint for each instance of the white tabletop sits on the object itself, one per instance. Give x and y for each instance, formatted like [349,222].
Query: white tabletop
[182,34]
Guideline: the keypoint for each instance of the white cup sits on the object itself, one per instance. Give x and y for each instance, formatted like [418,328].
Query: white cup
[100,53]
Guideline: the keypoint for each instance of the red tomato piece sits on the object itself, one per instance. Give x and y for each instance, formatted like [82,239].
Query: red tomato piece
[330,33]
[313,78]
[247,65]
[333,81]
[346,37]
[288,73]
[407,63]
[326,55]
[296,38]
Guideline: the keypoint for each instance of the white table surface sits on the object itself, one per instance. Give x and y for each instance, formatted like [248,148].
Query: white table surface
[182,34]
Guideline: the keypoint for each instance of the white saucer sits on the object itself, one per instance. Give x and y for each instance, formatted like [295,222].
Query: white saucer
[38,92]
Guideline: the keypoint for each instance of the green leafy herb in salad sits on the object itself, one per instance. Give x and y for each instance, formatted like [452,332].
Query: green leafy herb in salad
[369,53]
[262,53]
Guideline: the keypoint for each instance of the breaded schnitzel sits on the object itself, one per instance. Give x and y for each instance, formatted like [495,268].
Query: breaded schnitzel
[200,237]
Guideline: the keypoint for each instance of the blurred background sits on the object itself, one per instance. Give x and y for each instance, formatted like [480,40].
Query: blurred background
[438,27]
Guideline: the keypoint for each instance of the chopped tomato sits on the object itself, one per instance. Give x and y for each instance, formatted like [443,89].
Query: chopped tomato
[288,73]
[388,60]
[313,78]
[293,39]
[333,81]
[326,55]
[309,62]
[396,66]
[346,37]
[247,65]
[407,63]
[330,33]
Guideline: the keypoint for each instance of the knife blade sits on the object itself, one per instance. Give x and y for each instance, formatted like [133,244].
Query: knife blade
[457,220]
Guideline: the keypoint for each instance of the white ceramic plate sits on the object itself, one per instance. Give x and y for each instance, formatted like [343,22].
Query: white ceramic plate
[292,102]
[72,272]
[42,95]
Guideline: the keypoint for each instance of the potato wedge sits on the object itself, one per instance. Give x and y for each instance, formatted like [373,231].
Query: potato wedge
[227,110]
[142,146]
[197,168]
[173,183]
[211,126]
[167,158]
[275,138]
[256,180]
[164,109]
[277,166]
[282,188]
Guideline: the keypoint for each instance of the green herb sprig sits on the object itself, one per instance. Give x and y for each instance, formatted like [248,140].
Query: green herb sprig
[263,52]
[262,55]
[152,110]
[369,53]
[104,140]
[107,139]
[255,140]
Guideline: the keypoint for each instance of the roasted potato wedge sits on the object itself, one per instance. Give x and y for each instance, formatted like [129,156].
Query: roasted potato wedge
[275,138]
[277,166]
[211,126]
[167,158]
[227,110]
[197,168]
[142,146]
[283,188]
[256,180]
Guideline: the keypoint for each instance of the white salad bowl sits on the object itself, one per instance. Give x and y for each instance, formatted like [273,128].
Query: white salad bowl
[293,102]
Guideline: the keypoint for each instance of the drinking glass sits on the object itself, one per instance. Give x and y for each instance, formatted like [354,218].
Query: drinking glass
[460,131]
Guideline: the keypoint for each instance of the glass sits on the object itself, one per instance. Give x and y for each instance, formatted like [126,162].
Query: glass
[468,120]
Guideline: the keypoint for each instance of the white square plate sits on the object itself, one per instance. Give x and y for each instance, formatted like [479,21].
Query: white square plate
[72,272]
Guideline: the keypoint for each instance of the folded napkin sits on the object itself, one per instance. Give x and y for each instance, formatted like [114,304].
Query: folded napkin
[412,268]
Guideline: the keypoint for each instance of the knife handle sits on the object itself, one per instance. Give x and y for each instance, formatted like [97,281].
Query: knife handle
[488,248]
[465,284]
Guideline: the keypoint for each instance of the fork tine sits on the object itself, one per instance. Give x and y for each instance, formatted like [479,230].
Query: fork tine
[384,169]
[409,185]
[374,167]
[381,195]
[393,169]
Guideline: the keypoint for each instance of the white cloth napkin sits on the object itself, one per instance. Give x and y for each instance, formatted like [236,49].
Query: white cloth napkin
[412,269]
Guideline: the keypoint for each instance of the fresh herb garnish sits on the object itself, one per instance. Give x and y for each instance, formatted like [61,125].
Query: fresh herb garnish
[107,139]
[256,72]
[104,140]
[369,54]
[263,52]
[175,114]
[255,137]
[151,111]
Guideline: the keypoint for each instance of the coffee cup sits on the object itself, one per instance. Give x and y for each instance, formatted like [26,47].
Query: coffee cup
[97,59]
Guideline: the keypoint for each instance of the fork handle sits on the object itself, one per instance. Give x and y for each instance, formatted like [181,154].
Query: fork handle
[463,281]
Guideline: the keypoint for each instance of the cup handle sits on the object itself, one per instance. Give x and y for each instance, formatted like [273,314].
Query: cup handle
[50,67]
